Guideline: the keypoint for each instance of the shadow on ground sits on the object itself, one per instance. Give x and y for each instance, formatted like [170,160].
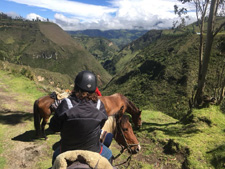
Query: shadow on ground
[14,117]
[172,129]
[29,136]
[218,154]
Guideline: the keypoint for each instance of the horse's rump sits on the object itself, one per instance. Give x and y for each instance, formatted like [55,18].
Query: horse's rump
[42,112]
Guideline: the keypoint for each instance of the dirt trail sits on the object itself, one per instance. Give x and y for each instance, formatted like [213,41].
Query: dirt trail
[20,151]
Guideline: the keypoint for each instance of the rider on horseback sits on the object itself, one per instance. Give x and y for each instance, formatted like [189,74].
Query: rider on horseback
[80,117]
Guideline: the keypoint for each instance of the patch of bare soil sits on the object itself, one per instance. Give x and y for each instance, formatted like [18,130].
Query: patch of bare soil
[157,158]
[24,155]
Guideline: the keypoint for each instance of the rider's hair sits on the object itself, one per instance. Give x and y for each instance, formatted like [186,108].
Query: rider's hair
[82,95]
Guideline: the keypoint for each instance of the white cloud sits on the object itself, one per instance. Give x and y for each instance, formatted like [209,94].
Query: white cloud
[121,14]
[33,16]
[69,7]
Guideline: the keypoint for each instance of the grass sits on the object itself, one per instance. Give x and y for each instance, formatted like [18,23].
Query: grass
[195,142]
[201,141]
[2,159]
[24,88]
[22,92]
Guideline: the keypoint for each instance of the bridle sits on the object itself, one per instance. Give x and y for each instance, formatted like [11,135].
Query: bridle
[127,146]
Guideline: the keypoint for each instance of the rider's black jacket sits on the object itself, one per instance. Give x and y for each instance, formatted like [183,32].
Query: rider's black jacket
[79,124]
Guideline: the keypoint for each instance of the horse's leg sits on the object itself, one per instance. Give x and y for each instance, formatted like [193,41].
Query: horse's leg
[44,122]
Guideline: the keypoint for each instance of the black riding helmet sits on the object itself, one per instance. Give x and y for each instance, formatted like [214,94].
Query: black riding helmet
[86,81]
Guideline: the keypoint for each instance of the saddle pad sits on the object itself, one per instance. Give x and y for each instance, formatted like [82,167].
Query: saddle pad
[93,159]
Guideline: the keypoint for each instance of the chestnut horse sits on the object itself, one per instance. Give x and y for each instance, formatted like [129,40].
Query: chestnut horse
[43,109]
[114,102]
[121,129]
[42,112]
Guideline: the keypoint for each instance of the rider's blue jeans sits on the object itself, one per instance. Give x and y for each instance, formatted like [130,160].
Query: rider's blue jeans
[106,152]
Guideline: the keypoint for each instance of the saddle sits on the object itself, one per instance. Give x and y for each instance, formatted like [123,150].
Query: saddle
[58,97]
[53,95]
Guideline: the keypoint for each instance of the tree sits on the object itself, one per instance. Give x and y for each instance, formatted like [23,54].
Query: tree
[206,11]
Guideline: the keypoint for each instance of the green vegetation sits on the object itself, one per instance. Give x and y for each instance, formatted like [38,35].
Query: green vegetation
[162,75]
[2,159]
[195,142]
[45,45]
[22,88]
[21,85]
[102,49]
[47,81]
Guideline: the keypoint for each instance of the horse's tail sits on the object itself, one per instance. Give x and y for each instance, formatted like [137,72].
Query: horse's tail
[37,119]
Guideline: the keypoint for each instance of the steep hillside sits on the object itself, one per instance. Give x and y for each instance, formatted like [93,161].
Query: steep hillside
[163,74]
[47,81]
[45,45]
[119,37]
[119,61]
[102,49]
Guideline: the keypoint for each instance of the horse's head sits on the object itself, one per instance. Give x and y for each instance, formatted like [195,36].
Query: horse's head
[124,133]
[136,118]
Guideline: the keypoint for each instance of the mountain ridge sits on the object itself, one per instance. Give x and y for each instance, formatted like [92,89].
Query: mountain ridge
[45,45]
[120,37]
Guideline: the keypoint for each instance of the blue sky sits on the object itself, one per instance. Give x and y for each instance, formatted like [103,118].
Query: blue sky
[96,14]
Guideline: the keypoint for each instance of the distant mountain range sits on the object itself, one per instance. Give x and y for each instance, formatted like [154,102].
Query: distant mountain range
[119,37]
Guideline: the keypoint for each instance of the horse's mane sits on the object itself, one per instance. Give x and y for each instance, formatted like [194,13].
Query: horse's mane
[130,105]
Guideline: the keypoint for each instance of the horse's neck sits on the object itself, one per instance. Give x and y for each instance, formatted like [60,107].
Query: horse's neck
[131,108]
[110,125]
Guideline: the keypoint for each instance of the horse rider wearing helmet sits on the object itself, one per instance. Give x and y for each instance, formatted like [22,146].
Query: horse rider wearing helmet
[80,117]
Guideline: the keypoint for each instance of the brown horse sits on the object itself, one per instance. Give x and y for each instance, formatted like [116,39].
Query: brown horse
[113,103]
[122,131]
[42,112]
